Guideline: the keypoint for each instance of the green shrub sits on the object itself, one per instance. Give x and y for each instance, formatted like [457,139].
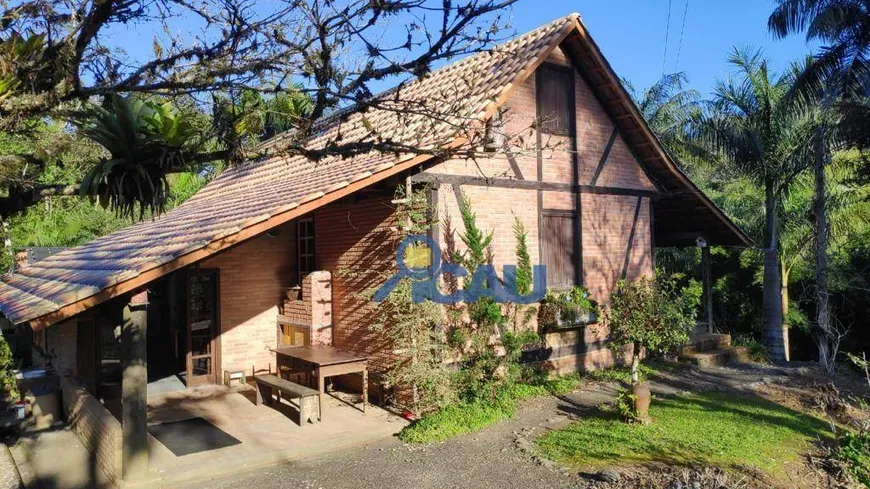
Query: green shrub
[757,351]
[624,404]
[566,305]
[8,386]
[855,453]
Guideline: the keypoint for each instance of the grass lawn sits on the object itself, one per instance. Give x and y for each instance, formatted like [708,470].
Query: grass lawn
[725,430]
[468,417]
[622,374]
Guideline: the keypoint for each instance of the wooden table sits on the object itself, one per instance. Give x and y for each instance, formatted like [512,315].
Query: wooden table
[324,361]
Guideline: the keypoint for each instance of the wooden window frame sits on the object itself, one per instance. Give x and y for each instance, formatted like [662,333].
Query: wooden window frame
[312,255]
[541,73]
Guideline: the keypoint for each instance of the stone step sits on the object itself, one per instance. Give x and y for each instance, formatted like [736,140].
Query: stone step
[716,358]
[707,342]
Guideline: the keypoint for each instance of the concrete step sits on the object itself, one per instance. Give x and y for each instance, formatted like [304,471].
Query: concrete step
[716,358]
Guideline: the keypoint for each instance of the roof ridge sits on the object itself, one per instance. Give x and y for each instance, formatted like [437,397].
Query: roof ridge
[325,121]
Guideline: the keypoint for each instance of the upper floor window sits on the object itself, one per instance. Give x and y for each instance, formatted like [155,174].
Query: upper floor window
[555,99]
[305,246]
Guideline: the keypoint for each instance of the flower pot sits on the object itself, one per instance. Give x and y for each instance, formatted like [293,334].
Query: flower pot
[293,293]
[642,399]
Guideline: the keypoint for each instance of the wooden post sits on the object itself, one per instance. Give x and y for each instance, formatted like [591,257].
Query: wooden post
[134,388]
[708,286]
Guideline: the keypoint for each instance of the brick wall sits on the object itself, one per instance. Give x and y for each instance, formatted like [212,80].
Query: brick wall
[95,427]
[356,241]
[253,276]
[607,220]
[61,343]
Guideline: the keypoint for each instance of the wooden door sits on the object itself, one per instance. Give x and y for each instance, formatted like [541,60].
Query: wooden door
[558,248]
[203,327]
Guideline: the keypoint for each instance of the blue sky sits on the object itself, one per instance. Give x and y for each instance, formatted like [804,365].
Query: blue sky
[631,34]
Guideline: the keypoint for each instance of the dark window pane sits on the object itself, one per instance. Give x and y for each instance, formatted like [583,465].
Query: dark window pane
[305,247]
[201,366]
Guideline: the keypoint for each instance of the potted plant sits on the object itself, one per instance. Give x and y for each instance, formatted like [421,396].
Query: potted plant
[650,317]
[567,309]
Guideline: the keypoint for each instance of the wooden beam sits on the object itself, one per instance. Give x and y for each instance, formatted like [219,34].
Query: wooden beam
[134,388]
[604,155]
[708,286]
[444,178]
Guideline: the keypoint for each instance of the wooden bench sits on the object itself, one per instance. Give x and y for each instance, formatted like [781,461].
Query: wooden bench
[308,399]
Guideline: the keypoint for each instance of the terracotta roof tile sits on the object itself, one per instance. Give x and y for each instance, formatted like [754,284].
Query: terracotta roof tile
[258,190]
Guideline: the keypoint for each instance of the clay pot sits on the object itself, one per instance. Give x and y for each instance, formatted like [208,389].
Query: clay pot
[293,293]
[642,399]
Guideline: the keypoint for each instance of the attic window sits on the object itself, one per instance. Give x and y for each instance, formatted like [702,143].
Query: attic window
[555,100]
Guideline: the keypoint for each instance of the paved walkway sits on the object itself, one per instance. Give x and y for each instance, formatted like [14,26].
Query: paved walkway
[9,478]
[57,460]
[262,435]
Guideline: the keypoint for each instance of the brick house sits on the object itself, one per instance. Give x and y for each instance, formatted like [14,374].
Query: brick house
[259,257]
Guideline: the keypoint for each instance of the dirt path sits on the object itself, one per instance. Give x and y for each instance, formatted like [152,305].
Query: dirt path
[499,456]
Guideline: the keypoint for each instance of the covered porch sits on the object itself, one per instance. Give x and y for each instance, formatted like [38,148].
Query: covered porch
[214,429]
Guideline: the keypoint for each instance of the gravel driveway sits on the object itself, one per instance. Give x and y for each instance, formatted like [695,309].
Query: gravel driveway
[497,457]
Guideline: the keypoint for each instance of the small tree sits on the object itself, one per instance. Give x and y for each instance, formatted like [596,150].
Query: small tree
[413,329]
[489,336]
[652,317]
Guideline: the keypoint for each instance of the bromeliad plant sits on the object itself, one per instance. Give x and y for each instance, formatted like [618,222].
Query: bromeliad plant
[572,308]
[145,141]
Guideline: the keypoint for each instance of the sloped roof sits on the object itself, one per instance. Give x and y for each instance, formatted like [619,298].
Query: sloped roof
[248,200]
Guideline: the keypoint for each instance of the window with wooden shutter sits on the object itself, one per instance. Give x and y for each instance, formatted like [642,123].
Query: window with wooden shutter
[559,248]
[555,100]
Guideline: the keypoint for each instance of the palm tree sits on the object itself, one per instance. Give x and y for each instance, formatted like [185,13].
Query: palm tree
[841,71]
[847,204]
[669,108]
[752,126]
[837,83]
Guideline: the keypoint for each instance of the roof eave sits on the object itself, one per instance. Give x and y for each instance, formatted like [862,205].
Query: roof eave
[640,121]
